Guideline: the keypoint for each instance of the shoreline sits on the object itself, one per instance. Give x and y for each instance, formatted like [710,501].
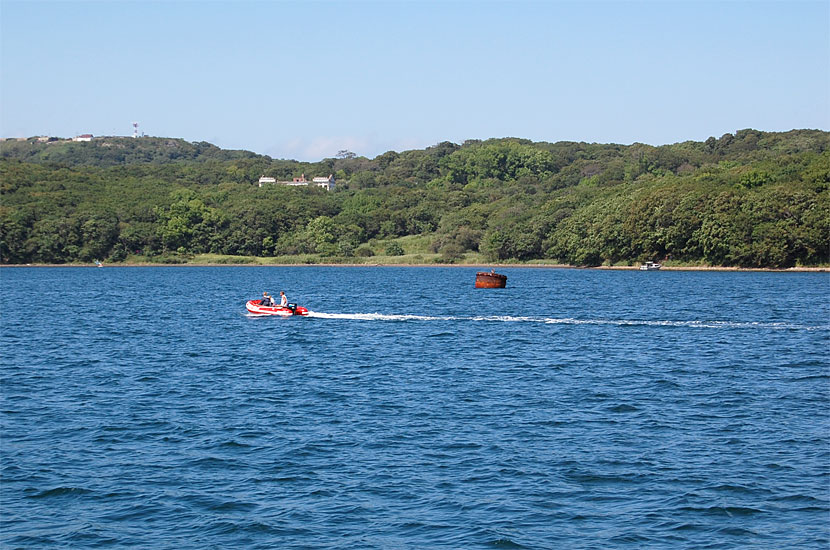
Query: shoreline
[471,266]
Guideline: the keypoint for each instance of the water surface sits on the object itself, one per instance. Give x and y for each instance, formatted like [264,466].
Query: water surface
[141,407]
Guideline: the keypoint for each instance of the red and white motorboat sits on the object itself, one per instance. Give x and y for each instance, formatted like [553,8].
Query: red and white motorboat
[253,306]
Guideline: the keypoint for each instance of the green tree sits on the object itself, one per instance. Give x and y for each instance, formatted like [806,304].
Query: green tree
[394,249]
[98,236]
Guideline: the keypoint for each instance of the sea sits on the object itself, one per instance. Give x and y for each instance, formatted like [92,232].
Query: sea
[142,407]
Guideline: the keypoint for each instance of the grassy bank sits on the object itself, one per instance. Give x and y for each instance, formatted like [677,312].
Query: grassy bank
[472,260]
[413,250]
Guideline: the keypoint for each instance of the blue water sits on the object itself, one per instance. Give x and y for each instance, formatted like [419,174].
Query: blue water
[142,408]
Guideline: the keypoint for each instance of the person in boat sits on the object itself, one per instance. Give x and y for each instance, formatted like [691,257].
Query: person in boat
[266,300]
[284,302]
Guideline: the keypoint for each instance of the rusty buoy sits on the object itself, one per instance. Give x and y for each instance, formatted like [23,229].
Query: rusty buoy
[490,280]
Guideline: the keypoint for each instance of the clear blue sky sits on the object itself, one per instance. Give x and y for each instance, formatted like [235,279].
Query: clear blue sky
[305,79]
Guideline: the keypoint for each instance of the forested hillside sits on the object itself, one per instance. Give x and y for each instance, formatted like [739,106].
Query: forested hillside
[752,199]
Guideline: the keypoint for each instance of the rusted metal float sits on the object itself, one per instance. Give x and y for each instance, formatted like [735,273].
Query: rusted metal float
[490,279]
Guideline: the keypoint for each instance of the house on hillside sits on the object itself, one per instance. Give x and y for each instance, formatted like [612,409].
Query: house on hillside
[325,183]
[83,137]
[301,181]
[297,182]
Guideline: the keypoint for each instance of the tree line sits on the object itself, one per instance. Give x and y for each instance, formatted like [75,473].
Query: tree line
[750,199]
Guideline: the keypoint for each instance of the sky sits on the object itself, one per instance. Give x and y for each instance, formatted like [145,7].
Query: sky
[304,80]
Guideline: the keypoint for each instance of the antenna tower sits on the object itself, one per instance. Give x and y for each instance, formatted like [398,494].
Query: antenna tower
[135,129]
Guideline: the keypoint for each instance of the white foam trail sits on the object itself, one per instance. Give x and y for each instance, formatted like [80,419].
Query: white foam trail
[378,317]
[562,321]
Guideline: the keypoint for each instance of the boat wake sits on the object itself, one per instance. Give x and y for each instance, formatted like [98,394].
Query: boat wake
[565,321]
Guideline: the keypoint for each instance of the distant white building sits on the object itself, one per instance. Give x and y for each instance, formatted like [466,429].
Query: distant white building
[83,137]
[296,182]
[325,183]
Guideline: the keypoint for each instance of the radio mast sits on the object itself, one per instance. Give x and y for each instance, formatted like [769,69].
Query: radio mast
[135,129]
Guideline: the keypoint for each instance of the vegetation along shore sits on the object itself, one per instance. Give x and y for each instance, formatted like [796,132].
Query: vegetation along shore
[800,269]
[752,199]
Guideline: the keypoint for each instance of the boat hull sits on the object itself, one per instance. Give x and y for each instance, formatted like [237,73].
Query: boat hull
[490,280]
[253,306]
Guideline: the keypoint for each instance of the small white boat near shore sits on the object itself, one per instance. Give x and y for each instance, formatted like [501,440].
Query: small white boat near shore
[650,266]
